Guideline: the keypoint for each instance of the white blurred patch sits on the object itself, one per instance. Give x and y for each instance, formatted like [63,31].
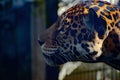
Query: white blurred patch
[67,69]
[66,4]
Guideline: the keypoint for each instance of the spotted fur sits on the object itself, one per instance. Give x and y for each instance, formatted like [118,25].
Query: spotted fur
[88,32]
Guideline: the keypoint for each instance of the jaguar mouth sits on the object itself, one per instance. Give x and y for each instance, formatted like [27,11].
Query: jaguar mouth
[53,59]
[52,56]
[48,51]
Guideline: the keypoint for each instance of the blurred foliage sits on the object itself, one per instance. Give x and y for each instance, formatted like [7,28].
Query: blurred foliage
[5,5]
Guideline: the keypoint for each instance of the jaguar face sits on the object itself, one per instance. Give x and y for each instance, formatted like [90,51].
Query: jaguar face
[78,34]
[60,47]
[54,47]
[65,41]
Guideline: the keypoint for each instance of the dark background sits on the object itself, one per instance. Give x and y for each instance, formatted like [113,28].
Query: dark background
[51,17]
[15,50]
[15,39]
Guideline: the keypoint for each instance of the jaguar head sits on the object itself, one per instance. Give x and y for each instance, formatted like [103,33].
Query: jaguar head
[74,37]
[54,47]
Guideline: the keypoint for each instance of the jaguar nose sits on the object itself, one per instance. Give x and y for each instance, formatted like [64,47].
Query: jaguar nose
[40,42]
[42,37]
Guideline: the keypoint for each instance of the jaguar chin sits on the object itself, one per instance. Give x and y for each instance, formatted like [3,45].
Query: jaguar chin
[52,56]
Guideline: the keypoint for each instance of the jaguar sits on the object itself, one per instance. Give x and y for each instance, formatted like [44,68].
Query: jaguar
[87,32]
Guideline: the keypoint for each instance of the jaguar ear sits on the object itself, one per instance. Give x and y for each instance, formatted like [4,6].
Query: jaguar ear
[90,19]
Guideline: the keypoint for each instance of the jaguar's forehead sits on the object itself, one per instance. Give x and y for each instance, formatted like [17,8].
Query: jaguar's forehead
[102,8]
[73,17]
[73,28]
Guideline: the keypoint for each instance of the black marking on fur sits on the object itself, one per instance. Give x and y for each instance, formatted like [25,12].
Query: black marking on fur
[65,22]
[73,33]
[110,8]
[71,47]
[115,16]
[76,52]
[116,38]
[71,17]
[83,30]
[74,25]
[93,53]
[76,18]
[106,11]
[118,24]
[102,13]
[79,38]
[96,9]
[100,27]
[89,36]
[112,24]
[67,45]
[85,46]
[109,17]
[101,4]
[75,41]
[108,27]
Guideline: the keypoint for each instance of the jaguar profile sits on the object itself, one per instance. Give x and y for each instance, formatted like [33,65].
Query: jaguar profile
[87,32]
